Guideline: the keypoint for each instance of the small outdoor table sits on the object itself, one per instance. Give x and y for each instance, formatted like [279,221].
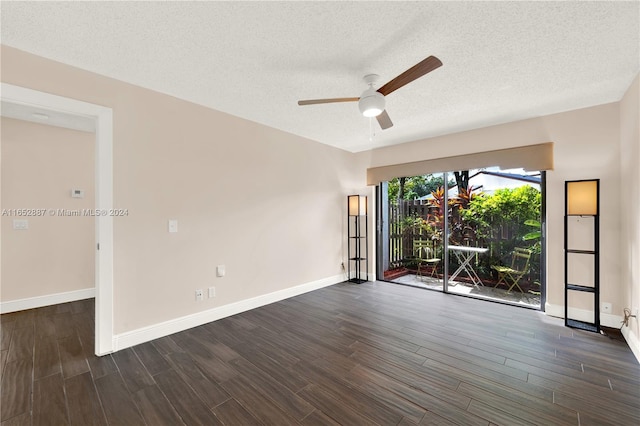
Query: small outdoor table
[465,255]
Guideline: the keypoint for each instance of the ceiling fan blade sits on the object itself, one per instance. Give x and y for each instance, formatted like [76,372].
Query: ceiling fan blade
[327,101]
[415,72]
[384,121]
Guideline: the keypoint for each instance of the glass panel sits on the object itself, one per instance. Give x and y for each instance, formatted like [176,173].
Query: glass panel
[415,230]
[494,235]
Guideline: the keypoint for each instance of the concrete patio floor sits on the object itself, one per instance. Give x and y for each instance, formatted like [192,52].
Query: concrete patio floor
[484,292]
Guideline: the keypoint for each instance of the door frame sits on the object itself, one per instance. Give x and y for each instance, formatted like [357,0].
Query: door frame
[103,118]
[383,238]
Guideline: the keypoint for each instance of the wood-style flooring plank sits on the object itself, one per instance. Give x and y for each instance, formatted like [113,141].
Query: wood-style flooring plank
[543,412]
[586,389]
[21,319]
[46,357]
[223,332]
[83,402]
[335,408]
[44,326]
[64,324]
[15,390]
[495,415]
[117,403]
[3,361]
[22,343]
[590,402]
[500,396]
[49,405]
[209,391]
[318,418]
[100,366]
[72,356]
[213,367]
[155,408]
[152,360]
[366,381]
[257,402]
[281,395]
[5,337]
[220,350]
[472,364]
[334,384]
[21,420]
[281,372]
[232,413]
[420,377]
[133,372]
[85,327]
[432,419]
[166,345]
[185,401]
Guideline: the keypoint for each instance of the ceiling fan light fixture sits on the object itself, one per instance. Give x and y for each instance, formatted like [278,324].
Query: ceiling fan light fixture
[371,103]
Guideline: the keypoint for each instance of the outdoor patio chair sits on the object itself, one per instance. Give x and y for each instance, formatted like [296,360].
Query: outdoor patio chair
[423,252]
[510,276]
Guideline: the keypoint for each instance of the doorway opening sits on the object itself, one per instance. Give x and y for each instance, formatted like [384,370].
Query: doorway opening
[102,118]
[476,233]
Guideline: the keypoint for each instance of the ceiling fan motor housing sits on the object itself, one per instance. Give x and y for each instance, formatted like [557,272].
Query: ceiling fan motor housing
[371,103]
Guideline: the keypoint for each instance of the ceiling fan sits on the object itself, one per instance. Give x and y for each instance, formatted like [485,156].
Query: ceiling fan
[372,101]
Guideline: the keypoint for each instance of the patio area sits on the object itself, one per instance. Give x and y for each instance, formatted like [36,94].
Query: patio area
[467,289]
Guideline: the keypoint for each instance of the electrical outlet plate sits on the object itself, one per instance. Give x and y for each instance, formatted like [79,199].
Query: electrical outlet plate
[199,295]
[606,307]
[212,292]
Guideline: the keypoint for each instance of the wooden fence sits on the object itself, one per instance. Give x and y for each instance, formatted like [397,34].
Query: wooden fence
[402,233]
[401,236]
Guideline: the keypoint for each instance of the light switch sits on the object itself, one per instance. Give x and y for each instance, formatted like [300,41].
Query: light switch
[173,225]
[220,270]
[20,224]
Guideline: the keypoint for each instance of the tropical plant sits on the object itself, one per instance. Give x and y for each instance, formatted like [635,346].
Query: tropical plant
[505,206]
[411,188]
[533,235]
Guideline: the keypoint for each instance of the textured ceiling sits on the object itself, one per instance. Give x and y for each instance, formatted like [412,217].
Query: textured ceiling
[503,61]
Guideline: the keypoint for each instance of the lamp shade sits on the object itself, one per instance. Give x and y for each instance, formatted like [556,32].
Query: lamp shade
[357,205]
[582,197]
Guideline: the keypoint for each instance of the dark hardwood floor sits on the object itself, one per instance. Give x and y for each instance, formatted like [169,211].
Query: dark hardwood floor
[368,354]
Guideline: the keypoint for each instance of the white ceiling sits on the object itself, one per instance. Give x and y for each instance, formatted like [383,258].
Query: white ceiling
[503,61]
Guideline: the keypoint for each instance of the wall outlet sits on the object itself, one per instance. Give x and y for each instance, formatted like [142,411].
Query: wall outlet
[199,295]
[606,307]
[212,292]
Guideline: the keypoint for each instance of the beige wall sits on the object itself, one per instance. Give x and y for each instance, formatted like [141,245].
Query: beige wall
[630,203]
[586,145]
[267,204]
[40,166]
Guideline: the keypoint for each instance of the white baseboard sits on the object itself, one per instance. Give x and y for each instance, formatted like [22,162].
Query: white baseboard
[607,320]
[155,331]
[632,341]
[49,299]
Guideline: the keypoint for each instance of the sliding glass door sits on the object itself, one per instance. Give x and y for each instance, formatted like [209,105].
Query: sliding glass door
[411,231]
[476,233]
